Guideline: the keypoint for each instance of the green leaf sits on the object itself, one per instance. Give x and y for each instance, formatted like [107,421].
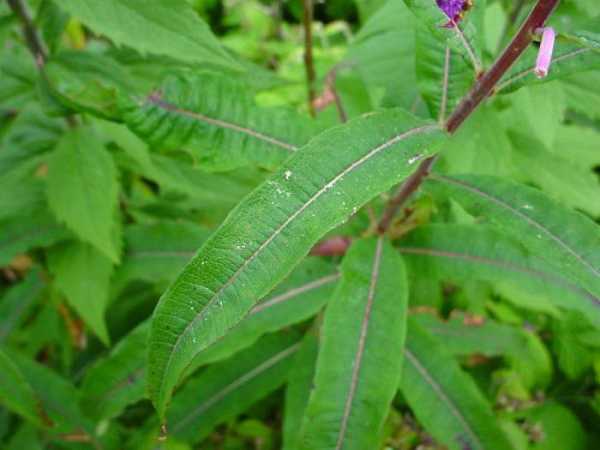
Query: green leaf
[212,191]
[17,302]
[227,389]
[360,356]
[383,53]
[16,394]
[588,37]
[560,427]
[27,231]
[521,348]
[83,274]
[316,190]
[156,253]
[298,388]
[217,121]
[445,400]
[117,380]
[163,27]
[87,82]
[82,189]
[564,238]
[556,174]
[58,397]
[299,297]
[462,252]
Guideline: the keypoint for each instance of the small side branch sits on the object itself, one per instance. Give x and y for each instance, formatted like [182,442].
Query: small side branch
[404,192]
[468,47]
[308,55]
[445,84]
[32,37]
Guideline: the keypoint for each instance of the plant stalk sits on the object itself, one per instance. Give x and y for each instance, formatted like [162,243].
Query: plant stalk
[32,37]
[308,55]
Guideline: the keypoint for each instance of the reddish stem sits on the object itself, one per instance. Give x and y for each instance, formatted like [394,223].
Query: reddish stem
[486,84]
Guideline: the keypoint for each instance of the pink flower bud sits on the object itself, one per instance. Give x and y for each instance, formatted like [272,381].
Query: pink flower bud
[544,59]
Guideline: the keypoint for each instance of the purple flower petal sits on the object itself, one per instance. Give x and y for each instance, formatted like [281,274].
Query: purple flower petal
[453,8]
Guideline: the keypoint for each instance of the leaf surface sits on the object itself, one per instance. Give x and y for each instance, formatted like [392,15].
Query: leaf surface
[118,379]
[358,369]
[298,389]
[17,302]
[15,393]
[83,274]
[567,239]
[444,398]
[464,252]
[217,120]
[229,388]
[164,27]
[82,189]
[274,228]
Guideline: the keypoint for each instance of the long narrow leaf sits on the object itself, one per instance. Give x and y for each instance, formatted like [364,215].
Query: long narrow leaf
[444,399]
[359,363]
[298,389]
[227,389]
[462,252]
[217,121]
[565,238]
[274,228]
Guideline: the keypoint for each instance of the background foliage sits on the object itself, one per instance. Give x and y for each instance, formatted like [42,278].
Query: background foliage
[126,146]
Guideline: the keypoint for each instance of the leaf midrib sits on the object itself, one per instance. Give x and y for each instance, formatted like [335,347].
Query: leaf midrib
[311,200]
[364,328]
[219,123]
[504,265]
[442,396]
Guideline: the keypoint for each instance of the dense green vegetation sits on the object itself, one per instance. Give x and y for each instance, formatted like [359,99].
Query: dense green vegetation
[254,224]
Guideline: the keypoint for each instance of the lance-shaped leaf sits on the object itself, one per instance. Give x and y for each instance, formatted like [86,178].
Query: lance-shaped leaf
[298,389]
[117,380]
[217,121]
[16,394]
[444,398]
[461,252]
[359,362]
[565,238]
[588,36]
[522,349]
[18,301]
[274,228]
[227,389]
[58,398]
[164,27]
